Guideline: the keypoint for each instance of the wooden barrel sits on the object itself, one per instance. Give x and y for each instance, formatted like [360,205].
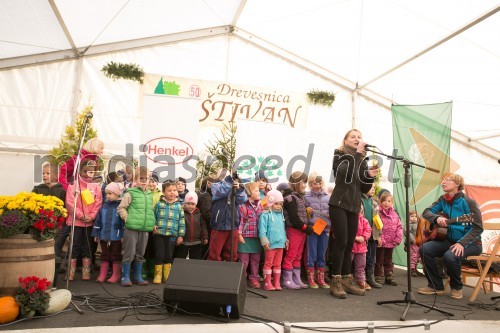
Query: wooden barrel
[22,256]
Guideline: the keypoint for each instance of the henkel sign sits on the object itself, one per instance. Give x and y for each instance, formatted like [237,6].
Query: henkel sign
[167,150]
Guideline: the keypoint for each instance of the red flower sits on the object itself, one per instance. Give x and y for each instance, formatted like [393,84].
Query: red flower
[39,225]
[50,225]
[31,290]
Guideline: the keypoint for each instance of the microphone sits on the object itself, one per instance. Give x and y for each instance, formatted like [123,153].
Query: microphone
[370,146]
[89,115]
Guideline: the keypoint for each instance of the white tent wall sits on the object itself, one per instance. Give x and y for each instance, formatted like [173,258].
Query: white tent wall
[38,100]
[35,104]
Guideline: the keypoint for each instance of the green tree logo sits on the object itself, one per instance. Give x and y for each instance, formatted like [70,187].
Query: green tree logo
[269,166]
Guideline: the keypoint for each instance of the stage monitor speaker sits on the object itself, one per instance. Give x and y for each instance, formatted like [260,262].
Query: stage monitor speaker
[206,287]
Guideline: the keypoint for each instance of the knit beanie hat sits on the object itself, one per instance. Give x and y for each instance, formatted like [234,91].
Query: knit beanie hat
[260,175]
[272,197]
[191,197]
[116,188]
[282,186]
[382,192]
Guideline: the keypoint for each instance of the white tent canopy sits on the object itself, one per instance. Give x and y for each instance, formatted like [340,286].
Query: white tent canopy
[371,53]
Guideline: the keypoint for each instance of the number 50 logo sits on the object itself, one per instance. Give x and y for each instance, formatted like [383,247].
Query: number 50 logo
[194,91]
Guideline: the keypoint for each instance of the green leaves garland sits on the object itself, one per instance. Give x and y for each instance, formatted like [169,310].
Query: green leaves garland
[117,70]
[321,97]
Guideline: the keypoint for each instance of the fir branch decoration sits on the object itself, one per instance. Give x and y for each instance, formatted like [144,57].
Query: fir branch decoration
[320,97]
[117,70]
[70,140]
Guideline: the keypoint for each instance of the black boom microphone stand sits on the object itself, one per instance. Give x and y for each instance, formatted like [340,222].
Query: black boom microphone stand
[409,297]
[75,178]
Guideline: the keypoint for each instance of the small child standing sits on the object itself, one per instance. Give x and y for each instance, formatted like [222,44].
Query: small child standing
[414,254]
[137,212]
[359,250]
[262,182]
[249,247]
[169,230]
[180,184]
[196,230]
[108,231]
[296,229]
[222,217]
[50,186]
[85,214]
[272,236]
[317,207]
[370,208]
[392,235]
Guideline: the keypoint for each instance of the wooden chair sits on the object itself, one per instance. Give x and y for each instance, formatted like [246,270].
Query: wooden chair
[484,261]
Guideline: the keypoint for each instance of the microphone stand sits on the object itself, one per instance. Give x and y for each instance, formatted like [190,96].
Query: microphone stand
[409,297]
[76,179]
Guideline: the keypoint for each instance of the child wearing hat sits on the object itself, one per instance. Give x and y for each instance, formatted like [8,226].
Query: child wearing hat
[180,184]
[196,230]
[108,231]
[273,239]
[262,181]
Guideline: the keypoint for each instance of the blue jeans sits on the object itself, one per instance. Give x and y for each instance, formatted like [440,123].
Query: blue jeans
[316,249]
[430,250]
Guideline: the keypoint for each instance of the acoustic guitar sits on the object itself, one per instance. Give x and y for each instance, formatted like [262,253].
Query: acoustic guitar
[427,231]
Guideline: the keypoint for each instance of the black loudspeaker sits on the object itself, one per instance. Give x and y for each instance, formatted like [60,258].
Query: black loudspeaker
[206,287]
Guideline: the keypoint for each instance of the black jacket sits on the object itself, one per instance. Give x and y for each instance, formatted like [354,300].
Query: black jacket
[56,190]
[351,179]
[205,206]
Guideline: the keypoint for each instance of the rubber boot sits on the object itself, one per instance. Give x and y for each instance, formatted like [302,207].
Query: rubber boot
[320,278]
[310,278]
[72,270]
[370,280]
[115,276]
[276,279]
[267,280]
[288,280]
[103,272]
[138,274]
[86,267]
[125,282]
[157,277]
[336,288]
[166,272]
[350,285]
[297,280]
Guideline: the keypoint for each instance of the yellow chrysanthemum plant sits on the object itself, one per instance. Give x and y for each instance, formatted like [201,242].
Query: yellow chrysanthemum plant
[39,215]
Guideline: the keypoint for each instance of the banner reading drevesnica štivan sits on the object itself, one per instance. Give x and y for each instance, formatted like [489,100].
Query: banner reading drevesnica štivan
[221,102]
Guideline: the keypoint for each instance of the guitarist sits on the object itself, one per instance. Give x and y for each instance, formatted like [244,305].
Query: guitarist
[462,239]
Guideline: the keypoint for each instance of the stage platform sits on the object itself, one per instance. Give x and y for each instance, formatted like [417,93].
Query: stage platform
[312,307]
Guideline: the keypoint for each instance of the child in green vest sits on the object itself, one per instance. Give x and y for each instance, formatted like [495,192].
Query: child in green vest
[136,209]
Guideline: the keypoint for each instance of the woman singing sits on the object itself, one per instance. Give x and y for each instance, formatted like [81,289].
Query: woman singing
[352,177]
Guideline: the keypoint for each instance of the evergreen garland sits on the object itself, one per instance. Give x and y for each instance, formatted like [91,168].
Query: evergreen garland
[70,141]
[117,70]
[321,97]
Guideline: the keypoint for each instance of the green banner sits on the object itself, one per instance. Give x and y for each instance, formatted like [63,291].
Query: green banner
[421,134]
